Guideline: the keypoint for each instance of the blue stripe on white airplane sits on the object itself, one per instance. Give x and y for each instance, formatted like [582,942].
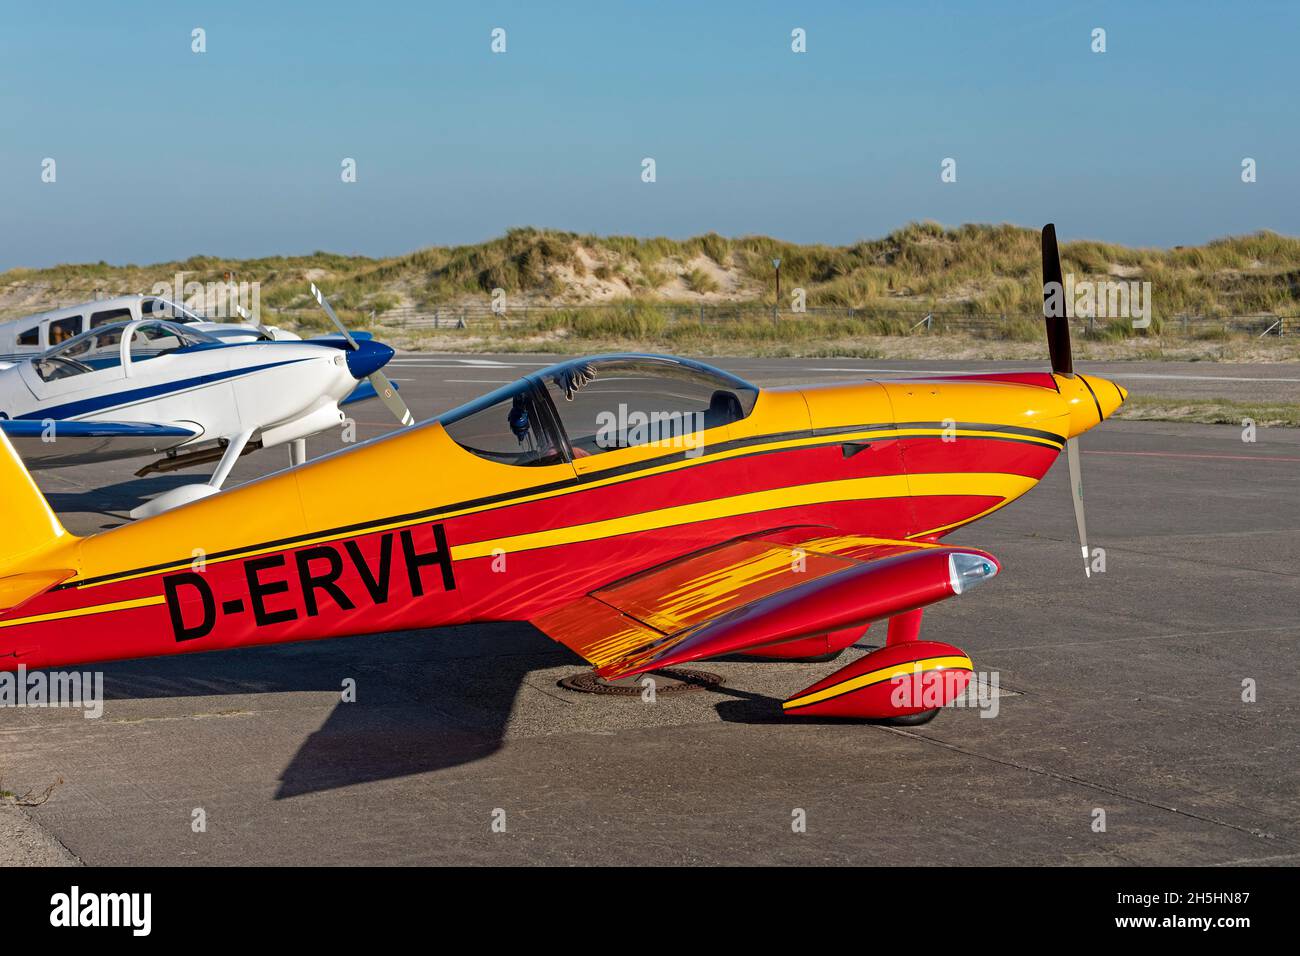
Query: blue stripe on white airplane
[112,401]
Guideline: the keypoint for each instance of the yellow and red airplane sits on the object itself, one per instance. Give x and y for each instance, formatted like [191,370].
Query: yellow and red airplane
[643,510]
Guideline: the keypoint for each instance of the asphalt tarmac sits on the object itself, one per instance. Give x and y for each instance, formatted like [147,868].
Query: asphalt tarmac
[1121,734]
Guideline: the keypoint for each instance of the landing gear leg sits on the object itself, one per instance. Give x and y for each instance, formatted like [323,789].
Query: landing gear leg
[233,451]
[905,628]
[184,494]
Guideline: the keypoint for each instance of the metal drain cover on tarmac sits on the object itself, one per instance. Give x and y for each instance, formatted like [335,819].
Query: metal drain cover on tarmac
[672,680]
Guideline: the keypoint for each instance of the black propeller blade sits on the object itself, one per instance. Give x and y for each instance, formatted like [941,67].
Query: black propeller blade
[1054,305]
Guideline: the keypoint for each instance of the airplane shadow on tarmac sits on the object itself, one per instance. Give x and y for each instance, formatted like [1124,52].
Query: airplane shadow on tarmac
[425,700]
[114,501]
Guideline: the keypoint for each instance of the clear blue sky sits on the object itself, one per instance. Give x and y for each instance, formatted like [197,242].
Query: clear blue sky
[162,153]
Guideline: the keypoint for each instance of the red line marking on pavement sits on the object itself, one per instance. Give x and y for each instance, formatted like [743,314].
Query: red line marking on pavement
[1172,454]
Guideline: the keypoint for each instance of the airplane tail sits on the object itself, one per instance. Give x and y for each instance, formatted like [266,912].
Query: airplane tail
[32,534]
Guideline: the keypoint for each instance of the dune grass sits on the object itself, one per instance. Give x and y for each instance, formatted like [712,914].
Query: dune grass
[971,268]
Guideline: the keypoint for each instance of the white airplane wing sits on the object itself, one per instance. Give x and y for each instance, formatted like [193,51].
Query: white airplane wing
[58,443]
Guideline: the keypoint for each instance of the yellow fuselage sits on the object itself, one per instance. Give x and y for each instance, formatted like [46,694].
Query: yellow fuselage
[411,530]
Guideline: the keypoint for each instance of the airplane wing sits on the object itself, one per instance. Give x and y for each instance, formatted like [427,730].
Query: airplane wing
[757,591]
[58,443]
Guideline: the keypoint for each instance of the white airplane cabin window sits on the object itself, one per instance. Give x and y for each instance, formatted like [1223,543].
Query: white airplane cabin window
[30,336]
[504,426]
[62,330]
[110,315]
[626,402]
[165,309]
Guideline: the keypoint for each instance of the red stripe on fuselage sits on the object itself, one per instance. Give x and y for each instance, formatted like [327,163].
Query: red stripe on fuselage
[1036,379]
[934,455]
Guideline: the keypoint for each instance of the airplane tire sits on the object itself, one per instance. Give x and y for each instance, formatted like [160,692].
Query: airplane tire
[913,720]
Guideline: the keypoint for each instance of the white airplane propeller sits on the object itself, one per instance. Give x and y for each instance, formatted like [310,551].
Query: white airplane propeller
[383,387]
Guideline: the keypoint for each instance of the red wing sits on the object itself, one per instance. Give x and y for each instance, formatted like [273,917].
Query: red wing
[764,589]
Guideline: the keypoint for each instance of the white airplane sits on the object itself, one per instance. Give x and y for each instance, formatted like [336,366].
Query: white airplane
[150,386]
[33,334]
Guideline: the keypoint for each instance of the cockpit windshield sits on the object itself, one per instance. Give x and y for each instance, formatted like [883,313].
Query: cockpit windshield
[625,401]
[505,426]
[101,348]
[601,404]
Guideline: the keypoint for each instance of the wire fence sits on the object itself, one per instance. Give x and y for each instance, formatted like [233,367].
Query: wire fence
[481,316]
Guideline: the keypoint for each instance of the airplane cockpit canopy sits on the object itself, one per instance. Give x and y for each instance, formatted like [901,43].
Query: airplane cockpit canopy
[588,406]
[101,347]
